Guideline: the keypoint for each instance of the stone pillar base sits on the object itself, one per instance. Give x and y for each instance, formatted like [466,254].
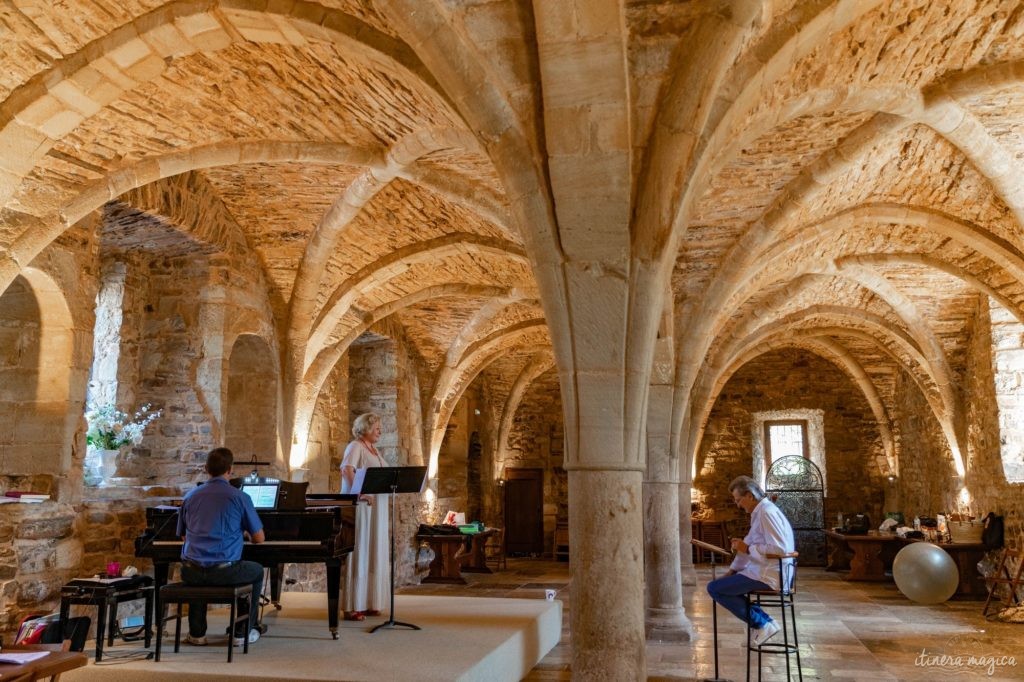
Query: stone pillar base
[668,625]
[689,574]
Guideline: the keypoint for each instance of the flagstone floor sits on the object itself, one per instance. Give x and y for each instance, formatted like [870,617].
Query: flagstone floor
[848,631]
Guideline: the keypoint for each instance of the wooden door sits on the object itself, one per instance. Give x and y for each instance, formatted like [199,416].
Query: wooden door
[524,511]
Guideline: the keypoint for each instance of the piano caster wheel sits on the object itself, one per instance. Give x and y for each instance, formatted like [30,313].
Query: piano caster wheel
[277,606]
[334,633]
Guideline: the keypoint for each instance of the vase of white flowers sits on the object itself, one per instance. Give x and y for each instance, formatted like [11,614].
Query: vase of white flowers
[111,429]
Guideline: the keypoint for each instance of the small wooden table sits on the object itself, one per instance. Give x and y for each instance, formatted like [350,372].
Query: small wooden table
[54,663]
[456,553]
[870,553]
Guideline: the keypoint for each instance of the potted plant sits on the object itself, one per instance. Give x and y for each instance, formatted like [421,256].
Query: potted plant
[110,429]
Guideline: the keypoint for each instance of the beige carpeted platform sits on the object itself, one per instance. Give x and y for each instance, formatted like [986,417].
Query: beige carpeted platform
[463,638]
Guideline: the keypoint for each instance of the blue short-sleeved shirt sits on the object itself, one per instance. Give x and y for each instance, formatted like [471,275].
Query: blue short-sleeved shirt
[212,519]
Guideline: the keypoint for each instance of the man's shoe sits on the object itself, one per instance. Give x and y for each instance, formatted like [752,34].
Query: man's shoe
[766,632]
[195,641]
[254,636]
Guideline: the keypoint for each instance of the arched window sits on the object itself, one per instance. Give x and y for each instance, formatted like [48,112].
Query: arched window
[789,432]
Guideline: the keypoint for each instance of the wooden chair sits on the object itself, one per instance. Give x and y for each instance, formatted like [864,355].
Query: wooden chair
[494,550]
[1009,573]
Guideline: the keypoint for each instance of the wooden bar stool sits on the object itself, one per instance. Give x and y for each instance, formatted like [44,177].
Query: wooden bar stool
[783,598]
[180,593]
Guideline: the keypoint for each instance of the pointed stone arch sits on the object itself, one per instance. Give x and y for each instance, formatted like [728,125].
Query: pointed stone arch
[37,370]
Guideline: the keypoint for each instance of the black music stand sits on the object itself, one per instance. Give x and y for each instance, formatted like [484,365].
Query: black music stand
[714,550]
[392,481]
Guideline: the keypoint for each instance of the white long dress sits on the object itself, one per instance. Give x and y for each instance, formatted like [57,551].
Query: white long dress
[367,577]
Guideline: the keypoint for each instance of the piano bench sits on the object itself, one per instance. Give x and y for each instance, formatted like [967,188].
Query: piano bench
[180,593]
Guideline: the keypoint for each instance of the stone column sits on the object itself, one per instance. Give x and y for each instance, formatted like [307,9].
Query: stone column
[664,618]
[606,537]
[689,573]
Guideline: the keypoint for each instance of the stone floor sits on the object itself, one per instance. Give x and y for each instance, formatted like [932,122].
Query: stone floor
[848,631]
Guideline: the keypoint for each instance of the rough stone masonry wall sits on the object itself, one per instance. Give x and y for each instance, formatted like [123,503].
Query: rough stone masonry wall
[986,480]
[926,486]
[537,440]
[41,545]
[790,380]
[383,377]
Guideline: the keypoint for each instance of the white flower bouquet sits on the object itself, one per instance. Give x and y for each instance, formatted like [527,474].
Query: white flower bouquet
[110,428]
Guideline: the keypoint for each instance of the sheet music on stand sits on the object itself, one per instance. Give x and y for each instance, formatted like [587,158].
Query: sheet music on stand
[712,548]
[409,479]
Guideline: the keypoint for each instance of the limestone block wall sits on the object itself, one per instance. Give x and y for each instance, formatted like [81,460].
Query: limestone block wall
[1007,346]
[330,431]
[787,380]
[383,378]
[986,484]
[453,461]
[926,485]
[537,440]
[39,551]
[45,347]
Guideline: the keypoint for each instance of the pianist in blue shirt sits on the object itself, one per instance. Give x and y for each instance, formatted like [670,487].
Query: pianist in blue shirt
[214,520]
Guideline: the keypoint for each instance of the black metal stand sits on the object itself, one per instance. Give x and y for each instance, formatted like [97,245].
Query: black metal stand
[384,481]
[713,550]
[391,623]
[714,626]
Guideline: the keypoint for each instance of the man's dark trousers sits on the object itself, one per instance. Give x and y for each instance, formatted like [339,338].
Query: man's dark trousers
[236,573]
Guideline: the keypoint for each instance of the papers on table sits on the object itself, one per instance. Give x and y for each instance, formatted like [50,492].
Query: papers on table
[22,657]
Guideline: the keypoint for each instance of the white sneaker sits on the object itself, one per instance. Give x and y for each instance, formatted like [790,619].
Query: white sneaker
[766,632]
[195,641]
[254,636]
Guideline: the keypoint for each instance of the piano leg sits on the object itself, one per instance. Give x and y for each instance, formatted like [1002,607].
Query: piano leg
[160,569]
[276,579]
[333,594]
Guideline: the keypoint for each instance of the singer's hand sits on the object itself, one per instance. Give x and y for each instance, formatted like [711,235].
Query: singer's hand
[368,499]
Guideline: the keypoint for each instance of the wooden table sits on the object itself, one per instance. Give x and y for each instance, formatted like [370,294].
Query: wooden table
[55,663]
[871,553]
[456,553]
[966,555]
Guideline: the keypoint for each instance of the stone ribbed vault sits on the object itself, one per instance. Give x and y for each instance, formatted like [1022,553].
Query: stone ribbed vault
[539,183]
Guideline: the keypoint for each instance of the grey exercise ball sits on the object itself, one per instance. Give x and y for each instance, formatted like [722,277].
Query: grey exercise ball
[925,573]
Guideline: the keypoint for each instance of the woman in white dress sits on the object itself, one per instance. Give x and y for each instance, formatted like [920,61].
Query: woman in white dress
[366,576]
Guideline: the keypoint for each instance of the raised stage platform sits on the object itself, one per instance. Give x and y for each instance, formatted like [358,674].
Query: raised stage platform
[463,638]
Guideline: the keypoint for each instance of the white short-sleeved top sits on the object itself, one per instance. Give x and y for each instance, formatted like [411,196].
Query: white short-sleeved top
[359,456]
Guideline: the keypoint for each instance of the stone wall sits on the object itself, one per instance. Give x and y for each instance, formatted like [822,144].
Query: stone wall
[792,380]
[41,547]
[383,378]
[537,440]
[986,485]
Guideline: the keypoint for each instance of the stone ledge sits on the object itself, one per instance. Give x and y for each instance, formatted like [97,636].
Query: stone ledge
[149,493]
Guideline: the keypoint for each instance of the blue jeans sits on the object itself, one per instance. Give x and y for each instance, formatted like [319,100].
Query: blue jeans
[729,592]
[237,573]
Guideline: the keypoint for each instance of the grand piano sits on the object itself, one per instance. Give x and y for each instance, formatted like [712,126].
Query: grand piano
[323,531]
